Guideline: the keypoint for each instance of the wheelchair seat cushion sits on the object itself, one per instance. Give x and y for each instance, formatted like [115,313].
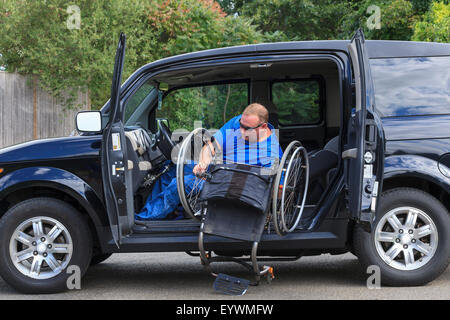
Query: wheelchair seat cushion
[249,185]
[234,220]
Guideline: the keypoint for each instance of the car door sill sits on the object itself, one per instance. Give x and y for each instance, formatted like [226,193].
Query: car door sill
[167,226]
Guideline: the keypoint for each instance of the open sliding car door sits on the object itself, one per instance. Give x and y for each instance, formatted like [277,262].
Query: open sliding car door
[116,176]
[364,153]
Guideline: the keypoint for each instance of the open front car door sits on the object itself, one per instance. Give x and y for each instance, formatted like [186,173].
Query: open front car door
[116,176]
[364,152]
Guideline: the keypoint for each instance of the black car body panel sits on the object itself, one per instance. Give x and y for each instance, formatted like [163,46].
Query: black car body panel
[54,148]
[417,127]
[416,166]
[331,236]
[69,166]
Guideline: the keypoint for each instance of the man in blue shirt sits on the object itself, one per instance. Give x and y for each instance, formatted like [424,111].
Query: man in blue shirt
[247,138]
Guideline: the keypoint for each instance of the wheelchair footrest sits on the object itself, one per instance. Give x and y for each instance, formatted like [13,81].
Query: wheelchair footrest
[230,285]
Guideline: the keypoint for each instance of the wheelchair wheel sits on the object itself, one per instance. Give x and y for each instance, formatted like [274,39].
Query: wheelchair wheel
[290,188]
[188,157]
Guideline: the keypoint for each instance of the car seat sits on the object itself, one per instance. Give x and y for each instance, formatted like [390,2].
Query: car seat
[322,166]
[138,159]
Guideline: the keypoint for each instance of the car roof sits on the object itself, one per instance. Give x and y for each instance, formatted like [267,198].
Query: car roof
[375,48]
[403,49]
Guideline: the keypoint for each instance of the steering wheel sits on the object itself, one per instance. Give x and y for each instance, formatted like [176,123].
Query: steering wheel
[164,140]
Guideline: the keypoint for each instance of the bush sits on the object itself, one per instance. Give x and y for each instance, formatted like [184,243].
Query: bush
[435,25]
[397,19]
[35,38]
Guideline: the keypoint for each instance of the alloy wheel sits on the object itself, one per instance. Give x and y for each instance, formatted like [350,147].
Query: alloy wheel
[41,247]
[406,238]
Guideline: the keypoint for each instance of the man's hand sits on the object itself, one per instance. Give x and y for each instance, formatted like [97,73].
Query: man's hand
[199,169]
[206,156]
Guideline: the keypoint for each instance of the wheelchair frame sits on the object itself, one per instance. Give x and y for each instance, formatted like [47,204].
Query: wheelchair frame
[207,259]
[293,150]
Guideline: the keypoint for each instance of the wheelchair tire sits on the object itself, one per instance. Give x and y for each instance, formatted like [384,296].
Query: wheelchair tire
[187,156]
[286,215]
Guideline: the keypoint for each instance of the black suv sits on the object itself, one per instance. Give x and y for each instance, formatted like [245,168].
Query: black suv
[381,107]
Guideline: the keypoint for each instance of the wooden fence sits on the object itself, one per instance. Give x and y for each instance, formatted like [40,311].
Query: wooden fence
[27,112]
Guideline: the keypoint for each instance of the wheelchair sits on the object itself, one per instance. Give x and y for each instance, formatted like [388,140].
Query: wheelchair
[239,201]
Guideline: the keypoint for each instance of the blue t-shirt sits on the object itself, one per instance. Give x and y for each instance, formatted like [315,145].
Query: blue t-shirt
[238,150]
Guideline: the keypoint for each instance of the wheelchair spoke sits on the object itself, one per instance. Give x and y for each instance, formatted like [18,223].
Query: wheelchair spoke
[194,194]
[190,153]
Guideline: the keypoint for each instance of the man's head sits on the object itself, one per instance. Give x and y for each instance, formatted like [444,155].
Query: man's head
[254,122]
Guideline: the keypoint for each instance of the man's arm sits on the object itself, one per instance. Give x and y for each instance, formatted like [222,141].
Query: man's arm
[208,150]
[206,155]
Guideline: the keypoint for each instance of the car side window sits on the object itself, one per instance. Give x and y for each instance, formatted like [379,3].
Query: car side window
[209,106]
[411,86]
[297,101]
[136,108]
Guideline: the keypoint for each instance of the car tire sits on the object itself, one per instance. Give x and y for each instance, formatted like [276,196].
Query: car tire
[68,242]
[404,260]
[99,258]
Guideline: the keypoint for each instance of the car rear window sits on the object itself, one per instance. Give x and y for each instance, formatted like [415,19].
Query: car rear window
[411,86]
[298,101]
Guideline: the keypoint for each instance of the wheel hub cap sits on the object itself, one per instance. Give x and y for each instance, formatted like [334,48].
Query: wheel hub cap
[41,248]
[406,238]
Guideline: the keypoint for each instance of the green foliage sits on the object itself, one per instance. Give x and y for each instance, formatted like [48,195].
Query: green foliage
[186,26]
[34,38]
[435,25]
[397,18]
[421,6]
[213,105]
[293,19]
[137,99]
[283,20]
[297,101]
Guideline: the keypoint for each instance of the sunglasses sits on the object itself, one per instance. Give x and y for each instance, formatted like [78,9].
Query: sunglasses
[249,128]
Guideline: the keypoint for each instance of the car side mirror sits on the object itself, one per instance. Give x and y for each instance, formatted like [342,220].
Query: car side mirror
[89,121]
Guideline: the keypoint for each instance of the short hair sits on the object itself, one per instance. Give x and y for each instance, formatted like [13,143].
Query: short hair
[258,110]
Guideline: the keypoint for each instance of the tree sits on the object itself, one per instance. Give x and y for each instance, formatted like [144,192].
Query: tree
[421,6]
[435,25]
[396,19]
[292,19]
[35,37]
[283,20]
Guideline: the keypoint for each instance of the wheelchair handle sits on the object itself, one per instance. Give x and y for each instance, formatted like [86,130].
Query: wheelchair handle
[241,171]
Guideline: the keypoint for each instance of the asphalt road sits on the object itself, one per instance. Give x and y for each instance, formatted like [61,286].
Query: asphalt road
[179,276]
